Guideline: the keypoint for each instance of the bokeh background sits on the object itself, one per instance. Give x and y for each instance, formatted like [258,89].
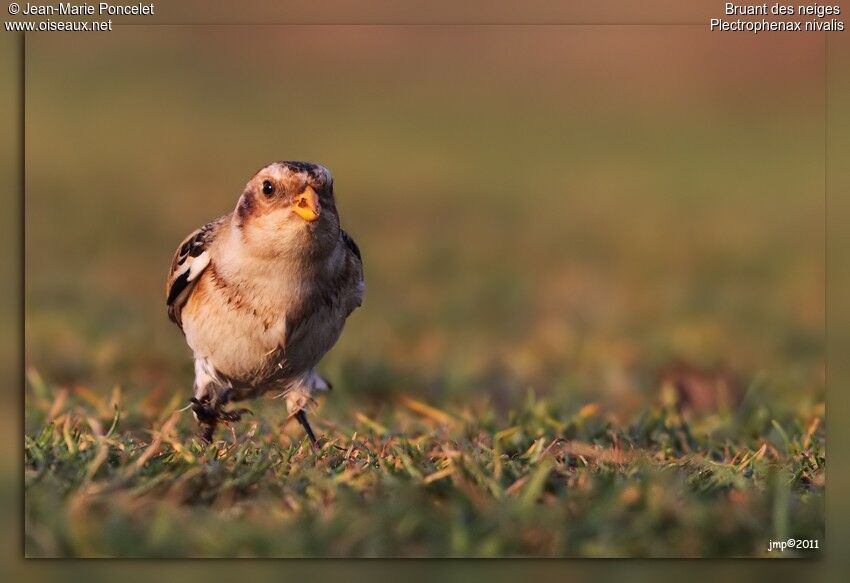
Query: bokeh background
[589,214]
[576,210]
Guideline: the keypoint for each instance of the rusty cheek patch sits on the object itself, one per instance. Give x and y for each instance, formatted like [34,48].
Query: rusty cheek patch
[247,206]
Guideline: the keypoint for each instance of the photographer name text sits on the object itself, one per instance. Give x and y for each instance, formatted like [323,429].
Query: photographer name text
[99,9]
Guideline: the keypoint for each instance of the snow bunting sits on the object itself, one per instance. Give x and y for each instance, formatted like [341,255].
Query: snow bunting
[261,294]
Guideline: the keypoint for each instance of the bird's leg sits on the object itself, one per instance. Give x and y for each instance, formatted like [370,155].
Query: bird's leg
[203,400]
[302,419]
[208,431]
[234,415]
[206,415]
[208,411]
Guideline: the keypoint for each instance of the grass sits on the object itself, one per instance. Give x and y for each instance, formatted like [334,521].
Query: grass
[105,477]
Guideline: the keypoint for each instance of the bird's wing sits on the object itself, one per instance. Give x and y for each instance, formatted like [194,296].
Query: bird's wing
[190,260]
[352,246]
[357,261]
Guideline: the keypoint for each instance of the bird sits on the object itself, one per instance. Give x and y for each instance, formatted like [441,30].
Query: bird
[262,293]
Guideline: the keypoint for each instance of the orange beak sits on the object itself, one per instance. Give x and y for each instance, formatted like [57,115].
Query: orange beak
[306,205]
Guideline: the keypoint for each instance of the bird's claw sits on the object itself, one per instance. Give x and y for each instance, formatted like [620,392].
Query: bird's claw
[235,415]
[210,414]
[204,411]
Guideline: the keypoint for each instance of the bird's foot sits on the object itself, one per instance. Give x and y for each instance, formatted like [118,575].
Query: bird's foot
[205,412]
[234,415]
[209,414]
[206,435]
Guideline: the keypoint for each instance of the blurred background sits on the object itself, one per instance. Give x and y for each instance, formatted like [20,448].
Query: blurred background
[582,211]
[598,214]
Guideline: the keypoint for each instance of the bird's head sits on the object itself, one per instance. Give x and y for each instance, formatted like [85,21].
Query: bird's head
[288,208]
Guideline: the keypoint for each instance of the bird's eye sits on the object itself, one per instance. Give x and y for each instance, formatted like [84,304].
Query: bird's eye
[268,188]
